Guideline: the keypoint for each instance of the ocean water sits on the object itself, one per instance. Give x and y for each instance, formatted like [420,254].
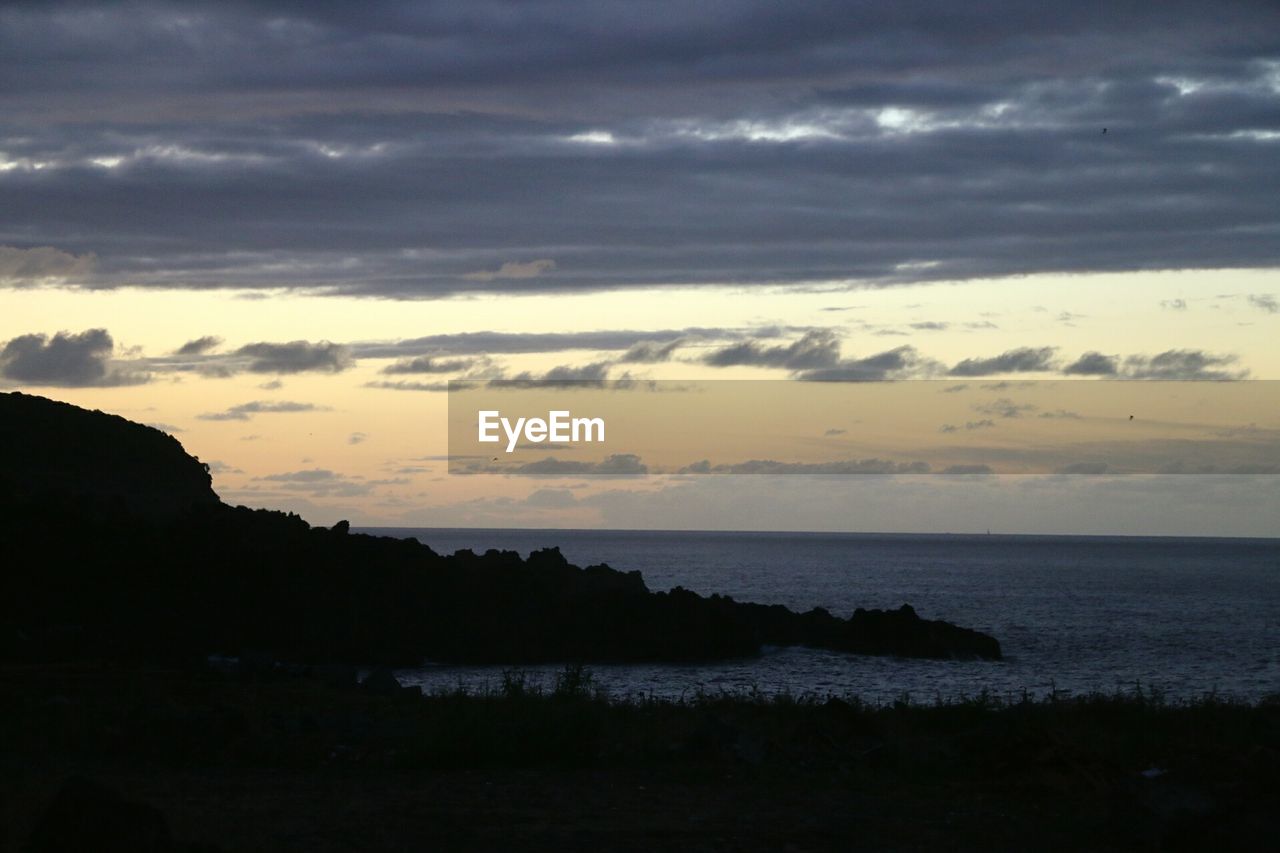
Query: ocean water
[1183,616]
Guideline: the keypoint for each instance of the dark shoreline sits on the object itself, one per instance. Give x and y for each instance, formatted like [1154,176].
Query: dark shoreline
[303,762]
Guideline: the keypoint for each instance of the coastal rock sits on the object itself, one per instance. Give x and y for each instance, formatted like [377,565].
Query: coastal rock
[55,451]
[128,543]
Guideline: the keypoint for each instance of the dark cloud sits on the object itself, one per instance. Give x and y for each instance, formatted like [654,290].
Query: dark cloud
[1265,302]
[427,364]
[904,362]
[1183,364]
[40,264]
[422,149]
[834,431]
[66,359]
[651,352]
[1021,360]
[404,385]
[594,373]
[296,357]
[245,411]
[356,438]
[1093,364]
[816,349]
[199,346]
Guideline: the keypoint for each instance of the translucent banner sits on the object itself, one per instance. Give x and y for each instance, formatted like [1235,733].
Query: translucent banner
[632,428]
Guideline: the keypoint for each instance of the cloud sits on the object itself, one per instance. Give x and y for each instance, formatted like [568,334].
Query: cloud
[296,357]
[421,150]
[1183,364]
[40,265]
[903,362]
[1265,302]
[1174,304]
[404,385]
[1093,364]
[427,364]
[1002,408]
[838,467]
[486,343]
[199,346]
[817,348]
[985,423]
[651,352]
[320,482]
[551,498]
[514,270]
[356,438]
[593,374]
[245,411]
[1021,360]
[616,465]
[834,431]
[66,359]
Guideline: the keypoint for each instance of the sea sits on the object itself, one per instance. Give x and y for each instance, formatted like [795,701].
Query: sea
[1184,618]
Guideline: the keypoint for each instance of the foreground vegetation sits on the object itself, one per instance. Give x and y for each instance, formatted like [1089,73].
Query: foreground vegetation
[312,762]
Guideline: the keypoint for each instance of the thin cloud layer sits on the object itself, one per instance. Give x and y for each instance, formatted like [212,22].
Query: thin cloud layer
[246,411]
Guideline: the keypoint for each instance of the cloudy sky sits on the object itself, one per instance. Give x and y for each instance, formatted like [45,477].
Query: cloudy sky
[277,229]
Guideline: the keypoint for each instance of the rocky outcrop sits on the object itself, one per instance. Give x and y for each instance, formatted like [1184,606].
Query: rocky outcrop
[118,546]
[59,452]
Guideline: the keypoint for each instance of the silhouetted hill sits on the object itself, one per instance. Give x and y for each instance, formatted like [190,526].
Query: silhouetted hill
[58,450]
[119,548]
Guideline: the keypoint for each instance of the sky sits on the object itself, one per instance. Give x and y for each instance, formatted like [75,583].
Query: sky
[276,230]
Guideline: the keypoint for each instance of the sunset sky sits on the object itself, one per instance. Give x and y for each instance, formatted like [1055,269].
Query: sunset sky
[276,230]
